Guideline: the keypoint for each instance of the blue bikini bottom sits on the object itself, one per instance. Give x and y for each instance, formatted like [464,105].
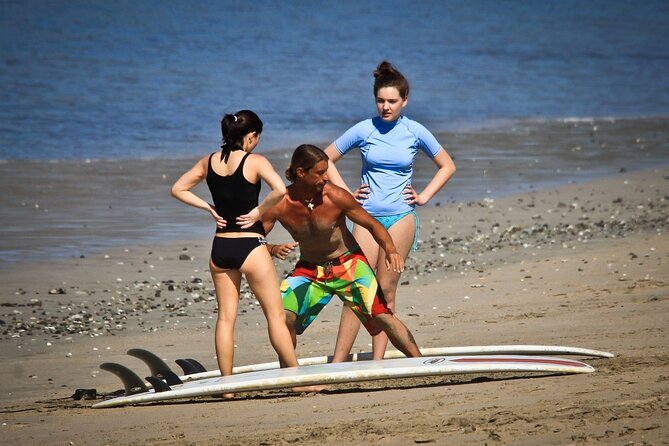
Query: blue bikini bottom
[388,220]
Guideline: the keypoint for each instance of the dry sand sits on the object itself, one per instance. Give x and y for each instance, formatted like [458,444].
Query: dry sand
[582,265]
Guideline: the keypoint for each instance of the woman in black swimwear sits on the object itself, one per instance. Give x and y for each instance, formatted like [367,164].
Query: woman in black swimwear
[233,176]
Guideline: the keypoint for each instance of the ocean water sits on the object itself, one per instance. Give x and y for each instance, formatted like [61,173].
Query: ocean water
[524,94]
[94,79]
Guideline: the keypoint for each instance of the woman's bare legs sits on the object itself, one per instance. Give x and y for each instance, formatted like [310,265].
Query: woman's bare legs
[262,278]
[264,282]
[402,233]
[349,324]
[226,283]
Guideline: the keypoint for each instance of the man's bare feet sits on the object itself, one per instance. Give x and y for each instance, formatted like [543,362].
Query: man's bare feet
[311,389]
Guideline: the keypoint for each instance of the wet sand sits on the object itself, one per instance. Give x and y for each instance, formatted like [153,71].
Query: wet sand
[582,265]
[61,209]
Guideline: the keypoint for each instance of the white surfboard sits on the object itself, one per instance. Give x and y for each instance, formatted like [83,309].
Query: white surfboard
[435,351]
[352,372]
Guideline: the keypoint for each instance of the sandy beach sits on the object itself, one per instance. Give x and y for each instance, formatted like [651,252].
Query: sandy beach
[553,231]
[581,265]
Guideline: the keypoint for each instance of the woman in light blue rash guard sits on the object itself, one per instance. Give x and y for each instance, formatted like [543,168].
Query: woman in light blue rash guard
[388,145]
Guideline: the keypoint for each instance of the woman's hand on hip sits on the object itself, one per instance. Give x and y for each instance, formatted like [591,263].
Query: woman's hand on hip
[247,220]
[361,193]
[220,221]
[412,197]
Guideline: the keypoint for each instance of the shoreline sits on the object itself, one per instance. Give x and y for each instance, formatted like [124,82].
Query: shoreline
[286,145]
[69,209]
[582,265]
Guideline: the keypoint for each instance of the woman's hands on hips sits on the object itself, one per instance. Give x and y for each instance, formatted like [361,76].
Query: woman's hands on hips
[413,197]
[220,221]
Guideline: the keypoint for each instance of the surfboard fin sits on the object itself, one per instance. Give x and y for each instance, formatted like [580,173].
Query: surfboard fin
[133,384]
[190,366]
[157,366]
[169,376]
[158,384]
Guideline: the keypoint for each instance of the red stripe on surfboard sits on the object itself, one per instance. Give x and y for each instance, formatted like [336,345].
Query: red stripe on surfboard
[523,360]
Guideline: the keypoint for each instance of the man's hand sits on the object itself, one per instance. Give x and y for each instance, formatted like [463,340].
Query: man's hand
[394,261]
[282,251]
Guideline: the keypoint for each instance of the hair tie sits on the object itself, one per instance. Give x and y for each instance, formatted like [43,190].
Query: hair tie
[235,116]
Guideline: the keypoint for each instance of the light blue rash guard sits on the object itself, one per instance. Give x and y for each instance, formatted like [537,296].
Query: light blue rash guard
[388,150]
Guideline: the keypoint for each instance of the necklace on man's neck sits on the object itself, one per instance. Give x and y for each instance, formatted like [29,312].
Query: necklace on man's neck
[310,203]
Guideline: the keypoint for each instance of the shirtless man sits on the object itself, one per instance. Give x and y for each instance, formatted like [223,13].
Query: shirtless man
[314,212]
